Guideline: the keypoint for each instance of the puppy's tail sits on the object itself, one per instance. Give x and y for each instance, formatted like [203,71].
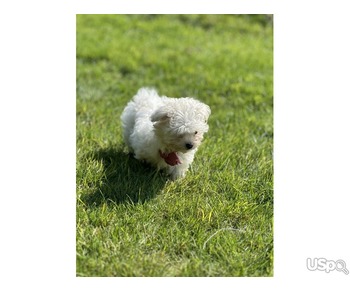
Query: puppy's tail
[147,98]
[147,91]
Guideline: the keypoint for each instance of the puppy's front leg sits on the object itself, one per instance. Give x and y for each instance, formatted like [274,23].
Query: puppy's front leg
[178,171]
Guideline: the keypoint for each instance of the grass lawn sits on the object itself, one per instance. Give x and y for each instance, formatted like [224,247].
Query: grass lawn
[218,221]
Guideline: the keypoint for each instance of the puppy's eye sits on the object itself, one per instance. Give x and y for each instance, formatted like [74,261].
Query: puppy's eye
[195,132]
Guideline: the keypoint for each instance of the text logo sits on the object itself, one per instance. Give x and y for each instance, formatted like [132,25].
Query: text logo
[323,264]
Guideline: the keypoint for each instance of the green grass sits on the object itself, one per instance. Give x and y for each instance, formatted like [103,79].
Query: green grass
[218,221]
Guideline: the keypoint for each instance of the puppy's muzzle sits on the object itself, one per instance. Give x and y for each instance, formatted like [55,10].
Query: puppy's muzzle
[189,146]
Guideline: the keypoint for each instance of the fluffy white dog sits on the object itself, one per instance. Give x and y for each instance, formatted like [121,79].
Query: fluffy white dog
[163,131]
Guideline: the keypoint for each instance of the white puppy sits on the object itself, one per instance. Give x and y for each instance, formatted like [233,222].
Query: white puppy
[165,132]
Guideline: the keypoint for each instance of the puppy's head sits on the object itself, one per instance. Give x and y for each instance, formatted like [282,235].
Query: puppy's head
[181,123]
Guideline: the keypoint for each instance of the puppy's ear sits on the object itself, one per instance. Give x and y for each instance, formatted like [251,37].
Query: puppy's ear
[161,115]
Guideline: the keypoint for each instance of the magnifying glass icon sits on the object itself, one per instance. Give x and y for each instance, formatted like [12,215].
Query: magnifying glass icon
[340,266]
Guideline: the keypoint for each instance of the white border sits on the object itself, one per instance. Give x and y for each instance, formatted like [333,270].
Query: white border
[37,118]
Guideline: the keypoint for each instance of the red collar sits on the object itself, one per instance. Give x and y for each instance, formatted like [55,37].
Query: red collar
[170,158]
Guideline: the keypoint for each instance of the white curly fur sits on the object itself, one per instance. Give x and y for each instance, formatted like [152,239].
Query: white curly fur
[154,127]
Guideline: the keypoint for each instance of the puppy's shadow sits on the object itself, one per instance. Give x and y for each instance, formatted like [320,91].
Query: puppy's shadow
[124,179]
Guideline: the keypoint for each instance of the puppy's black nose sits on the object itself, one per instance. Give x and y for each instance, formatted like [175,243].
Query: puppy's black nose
[189,145]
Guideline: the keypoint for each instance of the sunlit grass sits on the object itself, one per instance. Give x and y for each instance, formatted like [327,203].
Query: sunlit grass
[218,221]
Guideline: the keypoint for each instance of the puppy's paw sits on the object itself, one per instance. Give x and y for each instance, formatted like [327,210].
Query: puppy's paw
[177,172]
